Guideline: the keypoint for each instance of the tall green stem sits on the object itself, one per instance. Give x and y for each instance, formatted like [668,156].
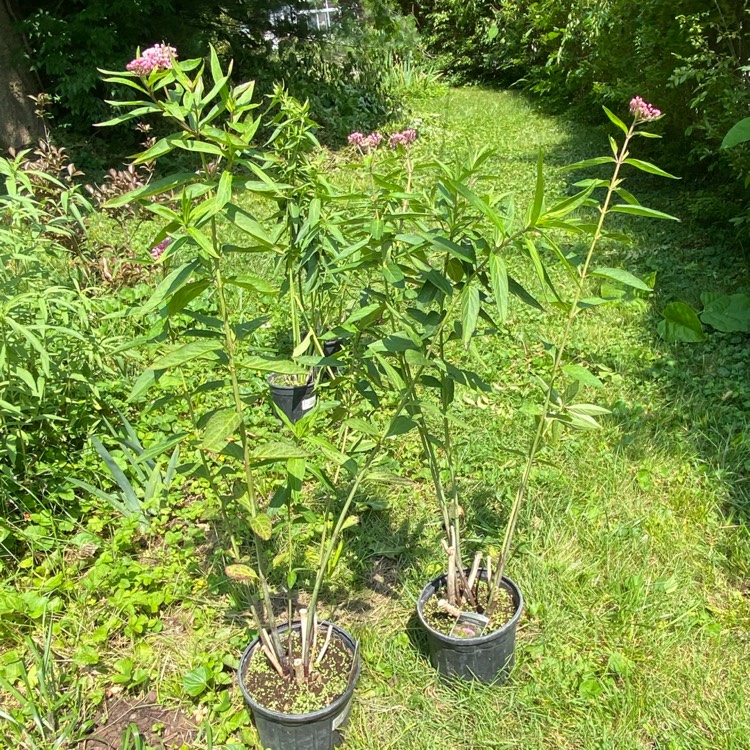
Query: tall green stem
[536,441]
[229,341]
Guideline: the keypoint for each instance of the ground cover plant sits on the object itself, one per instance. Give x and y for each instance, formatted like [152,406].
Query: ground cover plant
[633,555]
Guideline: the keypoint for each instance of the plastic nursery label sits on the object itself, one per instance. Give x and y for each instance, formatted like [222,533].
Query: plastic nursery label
[469,625]
[308,403]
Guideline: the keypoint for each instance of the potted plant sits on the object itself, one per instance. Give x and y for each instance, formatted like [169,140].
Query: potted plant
[443,273]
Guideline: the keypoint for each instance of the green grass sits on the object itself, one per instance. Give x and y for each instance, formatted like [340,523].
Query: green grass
[633,550]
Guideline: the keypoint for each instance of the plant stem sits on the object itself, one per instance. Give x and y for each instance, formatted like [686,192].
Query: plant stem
[229,341]
[536,441]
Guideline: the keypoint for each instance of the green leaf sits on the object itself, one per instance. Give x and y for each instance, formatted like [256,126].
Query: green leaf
[536,208]
[221,425]
[245,222]
[739,133]
[169,286]
[401,425]
[241,573]
[582,375]
[589,163]
[186,353]
[277,451]
[645,166]
[196,681]
[681,323]
[469,312]
[157,450]
[616,120]
[183,297]
[499,283]
[262,526]
[624,208]
[443,243]
[224,191]
[622,277]
[253,282]
[265,364]
[729,313]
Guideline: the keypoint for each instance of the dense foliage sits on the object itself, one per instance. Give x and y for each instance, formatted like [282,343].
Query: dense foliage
[688,55]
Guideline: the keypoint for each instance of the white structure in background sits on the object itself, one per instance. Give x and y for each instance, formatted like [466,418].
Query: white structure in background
[320,15]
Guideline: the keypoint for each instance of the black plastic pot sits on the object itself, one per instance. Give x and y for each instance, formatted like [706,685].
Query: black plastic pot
[488,658]
[293,400]
[317,730]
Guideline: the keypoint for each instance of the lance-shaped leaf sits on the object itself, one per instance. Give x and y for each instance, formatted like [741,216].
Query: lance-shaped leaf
[252,282]
[186,353]
[622,277]
[469,312]
[277,451]
[169,286]
[245,221]
[651,213]
[646,166]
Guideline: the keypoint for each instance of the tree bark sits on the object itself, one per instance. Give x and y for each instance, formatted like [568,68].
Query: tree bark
[19,126]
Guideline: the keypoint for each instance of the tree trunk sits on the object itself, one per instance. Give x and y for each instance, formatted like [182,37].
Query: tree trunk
[19,125]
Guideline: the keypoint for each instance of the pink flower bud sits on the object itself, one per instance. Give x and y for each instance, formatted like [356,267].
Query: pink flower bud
[643,111]
[158,250]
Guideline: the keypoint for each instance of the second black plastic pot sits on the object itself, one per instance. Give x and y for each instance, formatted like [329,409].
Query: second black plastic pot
[293,400]
[488,658]
[317,730]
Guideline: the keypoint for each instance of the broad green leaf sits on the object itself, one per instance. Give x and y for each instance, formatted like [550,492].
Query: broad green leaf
[652,213]
[729,313]
[203,242]
[262,526]
[197,681]
[220,426]
[645,166]
[622,277]
[186,353]
[681,323]
[739,133]
[443,243]
[469,312]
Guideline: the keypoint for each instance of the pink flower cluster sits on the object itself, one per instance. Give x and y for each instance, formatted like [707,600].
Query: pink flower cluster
[158,250]
[365,142]
[158,57]
[404,138]
[643,111]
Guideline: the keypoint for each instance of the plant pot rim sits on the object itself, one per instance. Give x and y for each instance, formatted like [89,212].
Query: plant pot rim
[321,713]
[437,583]
[309,383]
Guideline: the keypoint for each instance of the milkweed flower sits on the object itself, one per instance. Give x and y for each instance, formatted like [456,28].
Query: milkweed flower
[356,138]
[643,111]
[158,57]
[158,250]
[372,141]
[403,138]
